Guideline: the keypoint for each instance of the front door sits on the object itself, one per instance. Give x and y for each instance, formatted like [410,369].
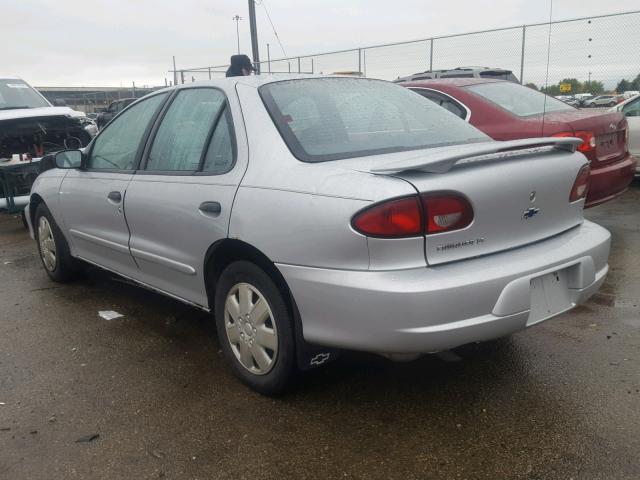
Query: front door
[92,198]
[180,202]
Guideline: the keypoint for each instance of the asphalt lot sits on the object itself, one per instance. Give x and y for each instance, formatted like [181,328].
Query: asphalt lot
[558,401]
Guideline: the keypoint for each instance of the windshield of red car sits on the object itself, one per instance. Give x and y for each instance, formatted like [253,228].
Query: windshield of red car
[324,119]
[518,99]
[15,94]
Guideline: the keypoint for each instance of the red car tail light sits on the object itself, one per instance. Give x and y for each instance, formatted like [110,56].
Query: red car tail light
[393,219]
[445,212]
[412,216]
[581,185]
[588,139]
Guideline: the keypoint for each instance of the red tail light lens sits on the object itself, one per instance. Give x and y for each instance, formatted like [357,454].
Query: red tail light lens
[588,139]
[581,185]
[413,216]
[446,212]
[393,219]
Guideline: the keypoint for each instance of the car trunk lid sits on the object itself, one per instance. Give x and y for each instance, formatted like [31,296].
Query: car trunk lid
[607,127]
[519,191]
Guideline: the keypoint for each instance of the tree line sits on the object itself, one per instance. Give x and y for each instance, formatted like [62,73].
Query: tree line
[593,87]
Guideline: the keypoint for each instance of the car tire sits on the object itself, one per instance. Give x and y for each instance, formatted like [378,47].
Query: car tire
[53,248]
[255,334]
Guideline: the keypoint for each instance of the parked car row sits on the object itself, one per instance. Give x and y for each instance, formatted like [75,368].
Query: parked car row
[508,111]
[315,214]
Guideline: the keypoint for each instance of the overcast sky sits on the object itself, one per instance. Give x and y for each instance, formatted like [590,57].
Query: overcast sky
[108,43]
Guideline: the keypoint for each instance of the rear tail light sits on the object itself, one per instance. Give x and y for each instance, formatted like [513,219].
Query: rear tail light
[581,185]
[394,219]
[588,139]
[416,215]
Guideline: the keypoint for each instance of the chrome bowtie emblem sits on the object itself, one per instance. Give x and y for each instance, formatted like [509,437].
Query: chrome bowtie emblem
[320,358]
[530,213]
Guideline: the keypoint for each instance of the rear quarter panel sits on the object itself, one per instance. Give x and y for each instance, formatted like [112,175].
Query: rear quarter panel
[300,213]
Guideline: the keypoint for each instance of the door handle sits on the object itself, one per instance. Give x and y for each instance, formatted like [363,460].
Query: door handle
[211,209]
[115,197]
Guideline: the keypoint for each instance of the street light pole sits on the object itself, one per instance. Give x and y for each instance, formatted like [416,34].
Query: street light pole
[237,18]
[254,35]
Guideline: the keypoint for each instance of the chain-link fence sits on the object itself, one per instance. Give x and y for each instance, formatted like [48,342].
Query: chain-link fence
[598,52]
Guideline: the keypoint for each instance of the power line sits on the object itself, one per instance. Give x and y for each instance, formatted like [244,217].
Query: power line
[264,5]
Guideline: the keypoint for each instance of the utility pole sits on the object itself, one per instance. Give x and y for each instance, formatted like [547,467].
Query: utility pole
[268,58]
[254,35]
[175,72]
[237,18]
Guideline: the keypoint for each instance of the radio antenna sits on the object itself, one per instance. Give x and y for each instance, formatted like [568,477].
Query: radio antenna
[546,80]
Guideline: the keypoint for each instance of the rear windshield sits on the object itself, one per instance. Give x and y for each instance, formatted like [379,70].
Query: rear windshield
[499,75]
[324,119]
[517,99]
[15,94]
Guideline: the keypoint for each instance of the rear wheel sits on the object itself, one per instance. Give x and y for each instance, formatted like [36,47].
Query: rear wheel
[255,328]
[52,247]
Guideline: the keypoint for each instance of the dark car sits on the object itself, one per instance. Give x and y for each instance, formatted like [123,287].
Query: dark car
[509,111]
[112,110]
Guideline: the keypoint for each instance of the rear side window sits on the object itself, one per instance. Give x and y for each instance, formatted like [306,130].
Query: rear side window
[324,119]
[181,137]
[117,146]
[518,99]
[632,109]
[221,152]
[444,101]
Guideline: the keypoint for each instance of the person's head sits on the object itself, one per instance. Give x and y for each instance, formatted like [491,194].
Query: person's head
[240,66]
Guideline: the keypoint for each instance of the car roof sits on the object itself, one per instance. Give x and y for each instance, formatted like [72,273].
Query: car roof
[452,82]
[254,80]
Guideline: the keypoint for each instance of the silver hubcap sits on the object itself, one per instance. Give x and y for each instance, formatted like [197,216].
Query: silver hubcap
[47,244]
[251,328]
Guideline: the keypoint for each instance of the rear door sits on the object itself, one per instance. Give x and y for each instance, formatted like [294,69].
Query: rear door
[92,198]
[180,202]
[631,110]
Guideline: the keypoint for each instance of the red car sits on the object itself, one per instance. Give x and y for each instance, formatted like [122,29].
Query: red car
[508,111]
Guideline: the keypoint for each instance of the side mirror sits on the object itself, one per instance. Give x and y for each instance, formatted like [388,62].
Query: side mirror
[68,159]
[59,102]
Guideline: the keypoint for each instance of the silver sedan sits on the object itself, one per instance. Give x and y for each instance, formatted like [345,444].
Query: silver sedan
[316,214]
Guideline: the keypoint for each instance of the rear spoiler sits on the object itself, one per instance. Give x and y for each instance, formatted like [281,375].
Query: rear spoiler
[443,160]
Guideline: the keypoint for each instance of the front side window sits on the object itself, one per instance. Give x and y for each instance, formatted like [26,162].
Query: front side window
[116,147]
[16,94]
[519,100]
[324,119]
[180,140]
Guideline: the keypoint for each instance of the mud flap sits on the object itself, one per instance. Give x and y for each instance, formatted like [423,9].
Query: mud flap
[309,356]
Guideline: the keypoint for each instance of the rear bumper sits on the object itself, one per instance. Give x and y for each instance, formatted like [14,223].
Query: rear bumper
[436,308]
[610,180]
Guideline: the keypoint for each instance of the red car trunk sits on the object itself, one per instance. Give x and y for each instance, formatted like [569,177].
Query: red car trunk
[605,133]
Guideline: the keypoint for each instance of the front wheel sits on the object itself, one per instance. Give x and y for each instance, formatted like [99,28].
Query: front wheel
[255,328]
[52,247]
